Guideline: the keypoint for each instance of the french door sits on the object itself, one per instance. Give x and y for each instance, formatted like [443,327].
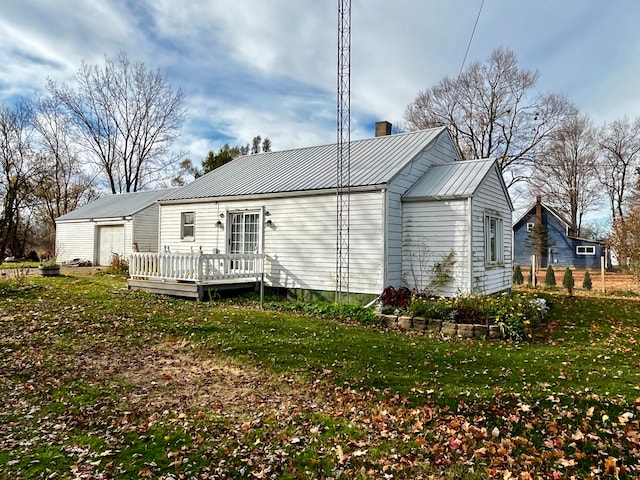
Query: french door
[244,237]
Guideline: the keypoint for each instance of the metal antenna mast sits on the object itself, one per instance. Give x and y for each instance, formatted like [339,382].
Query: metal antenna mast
[344,151]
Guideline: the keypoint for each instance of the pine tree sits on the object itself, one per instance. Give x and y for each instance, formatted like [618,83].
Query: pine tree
[550,277]
[567,281]
[586,283]
[518,279]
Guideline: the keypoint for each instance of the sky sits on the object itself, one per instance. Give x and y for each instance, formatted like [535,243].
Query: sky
[268,67]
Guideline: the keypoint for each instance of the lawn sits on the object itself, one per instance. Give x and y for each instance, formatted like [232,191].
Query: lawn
[101,382]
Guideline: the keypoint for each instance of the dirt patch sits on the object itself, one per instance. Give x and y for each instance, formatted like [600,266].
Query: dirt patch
[174,376]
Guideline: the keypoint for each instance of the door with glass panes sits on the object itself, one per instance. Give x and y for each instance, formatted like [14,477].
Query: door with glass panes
[244,237]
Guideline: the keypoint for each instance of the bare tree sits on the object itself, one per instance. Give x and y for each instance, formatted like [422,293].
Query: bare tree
[17,167]
[566,171]
[126,117]
[492,111]
[619,160]
[62,184]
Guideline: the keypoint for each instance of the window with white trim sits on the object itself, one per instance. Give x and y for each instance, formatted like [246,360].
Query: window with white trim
[188,225]
[530,227]
[585,250]
[494,240]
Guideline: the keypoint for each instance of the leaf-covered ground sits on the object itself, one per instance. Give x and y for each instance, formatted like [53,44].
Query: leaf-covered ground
[100,382]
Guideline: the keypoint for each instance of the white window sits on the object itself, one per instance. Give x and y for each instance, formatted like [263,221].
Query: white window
[494,240]
[530,227]
[586,250]
[188,226]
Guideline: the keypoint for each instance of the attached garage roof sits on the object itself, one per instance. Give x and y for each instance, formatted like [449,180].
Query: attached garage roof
[116,205]
[453,180]
[373,161]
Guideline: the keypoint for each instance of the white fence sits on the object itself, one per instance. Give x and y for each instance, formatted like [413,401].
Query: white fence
[196,267]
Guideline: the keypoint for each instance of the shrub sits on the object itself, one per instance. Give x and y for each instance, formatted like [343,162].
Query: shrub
[586,283]
[118,265]
[567,281]
[434,308]
[399,298]
[550,277]
[333,311]
[518,279]
[469,309]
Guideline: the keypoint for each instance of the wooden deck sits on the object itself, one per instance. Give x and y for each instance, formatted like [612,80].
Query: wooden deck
[197,275]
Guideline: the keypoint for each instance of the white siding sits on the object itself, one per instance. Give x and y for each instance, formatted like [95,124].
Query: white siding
[300,245]
[145,230]
[431,231]
[75,240]
[441,151]
[490,199]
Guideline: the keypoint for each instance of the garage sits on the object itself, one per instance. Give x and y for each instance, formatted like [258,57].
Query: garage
[110,241]
[119,223]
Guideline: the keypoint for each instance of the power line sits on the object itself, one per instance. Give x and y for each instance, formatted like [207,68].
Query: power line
[471,39]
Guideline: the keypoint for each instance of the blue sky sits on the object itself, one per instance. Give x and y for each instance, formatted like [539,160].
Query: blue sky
[268,67]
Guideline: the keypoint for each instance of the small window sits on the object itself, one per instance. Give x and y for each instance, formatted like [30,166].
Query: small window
[188,225]
[494,240]
[586,250]
[530,227]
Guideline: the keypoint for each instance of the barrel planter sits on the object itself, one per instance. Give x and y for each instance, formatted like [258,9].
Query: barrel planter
[49,270]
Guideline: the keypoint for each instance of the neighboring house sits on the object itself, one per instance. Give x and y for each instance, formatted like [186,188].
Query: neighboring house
[558,244]
[412,202]
[114,224]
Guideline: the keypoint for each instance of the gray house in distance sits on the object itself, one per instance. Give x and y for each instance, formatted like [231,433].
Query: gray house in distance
[560,246]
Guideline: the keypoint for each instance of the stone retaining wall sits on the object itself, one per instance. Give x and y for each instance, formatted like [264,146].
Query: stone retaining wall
[446,329]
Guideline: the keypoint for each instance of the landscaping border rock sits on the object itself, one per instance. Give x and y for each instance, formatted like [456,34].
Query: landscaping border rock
[446,329]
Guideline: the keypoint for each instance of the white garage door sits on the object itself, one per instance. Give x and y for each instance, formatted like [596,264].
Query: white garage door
[110,241]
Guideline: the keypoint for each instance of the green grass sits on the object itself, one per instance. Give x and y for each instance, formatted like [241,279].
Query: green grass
[319,397]
[18,265]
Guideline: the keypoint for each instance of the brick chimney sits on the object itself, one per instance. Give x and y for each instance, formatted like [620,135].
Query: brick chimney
[383,128]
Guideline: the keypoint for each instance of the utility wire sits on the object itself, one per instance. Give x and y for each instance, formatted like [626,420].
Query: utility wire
[471,39]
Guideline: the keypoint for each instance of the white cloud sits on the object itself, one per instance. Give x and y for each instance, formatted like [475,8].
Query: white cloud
[268,67]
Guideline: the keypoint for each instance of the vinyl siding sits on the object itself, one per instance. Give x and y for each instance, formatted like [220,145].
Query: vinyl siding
[439,152]
[75,240]
[490,199]
[300,246]
[431,231]
[145,230]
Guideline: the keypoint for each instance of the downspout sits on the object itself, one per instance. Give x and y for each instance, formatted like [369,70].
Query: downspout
[470,247]
[158,249]
[384,248]
[385,229]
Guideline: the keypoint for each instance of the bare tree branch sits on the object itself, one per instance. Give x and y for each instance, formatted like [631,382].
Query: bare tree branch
[492,111]
[126,117]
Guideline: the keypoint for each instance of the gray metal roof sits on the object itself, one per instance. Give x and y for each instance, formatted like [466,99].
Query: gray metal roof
[116,205]
[374,161]
[453,180]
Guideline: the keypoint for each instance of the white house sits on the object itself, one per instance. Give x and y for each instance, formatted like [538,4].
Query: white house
[114,224]
[412,203]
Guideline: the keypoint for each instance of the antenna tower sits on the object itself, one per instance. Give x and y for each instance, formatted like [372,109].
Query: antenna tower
[343,151]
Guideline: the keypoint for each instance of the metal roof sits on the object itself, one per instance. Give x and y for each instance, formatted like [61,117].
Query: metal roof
[374,161]
[116,205]
[453,180]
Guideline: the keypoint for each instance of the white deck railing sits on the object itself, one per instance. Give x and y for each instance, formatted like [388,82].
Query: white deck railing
[196,267]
